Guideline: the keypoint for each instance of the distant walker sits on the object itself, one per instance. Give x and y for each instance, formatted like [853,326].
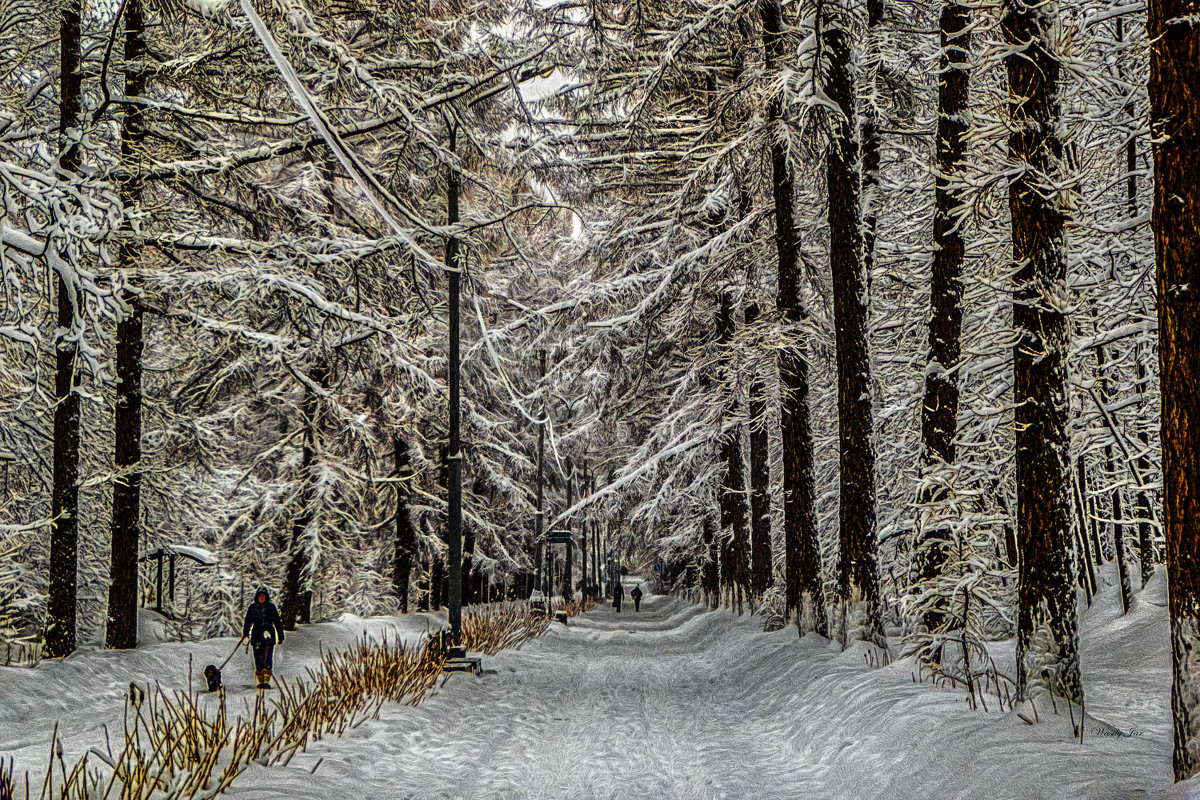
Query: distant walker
[636,594]
[618,596]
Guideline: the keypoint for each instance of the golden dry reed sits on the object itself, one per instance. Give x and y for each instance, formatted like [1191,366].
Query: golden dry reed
[177,746]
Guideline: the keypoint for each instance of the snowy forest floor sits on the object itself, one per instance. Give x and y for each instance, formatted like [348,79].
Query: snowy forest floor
[673,701]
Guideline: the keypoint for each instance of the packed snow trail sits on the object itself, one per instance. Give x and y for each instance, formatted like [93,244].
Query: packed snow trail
[671,702]
[677,702]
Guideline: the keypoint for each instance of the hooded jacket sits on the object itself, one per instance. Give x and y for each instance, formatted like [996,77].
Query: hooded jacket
[262,620]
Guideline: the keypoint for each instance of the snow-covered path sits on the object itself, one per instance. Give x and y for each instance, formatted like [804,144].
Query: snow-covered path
[676,702]
[672,702]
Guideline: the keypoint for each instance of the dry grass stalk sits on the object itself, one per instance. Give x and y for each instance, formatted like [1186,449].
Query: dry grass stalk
[176,747]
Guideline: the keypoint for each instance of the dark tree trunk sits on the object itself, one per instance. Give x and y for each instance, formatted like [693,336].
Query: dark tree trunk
[454,267]
[1047,634]
[406,536]
[539,516]
[1145,512]
[437,584]
[121,632]
[568,592]
[583,537]
[710,577]
[1118,530]
[760,482]
[1175,132]
[298,578]
[1093,528]
[470,576]
[858,581]
[939,411]
[596,558]
[871,123]
[733,494]
[64,525]
[804,590]
[1087,574]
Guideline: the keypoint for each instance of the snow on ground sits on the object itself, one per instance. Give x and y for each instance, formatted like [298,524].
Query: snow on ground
[86,691]
[672,702]
[678,702]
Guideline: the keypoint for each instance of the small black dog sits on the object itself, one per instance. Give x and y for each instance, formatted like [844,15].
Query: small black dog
[212,674]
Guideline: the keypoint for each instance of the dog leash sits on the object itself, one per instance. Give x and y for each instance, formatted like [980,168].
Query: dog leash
[231,655]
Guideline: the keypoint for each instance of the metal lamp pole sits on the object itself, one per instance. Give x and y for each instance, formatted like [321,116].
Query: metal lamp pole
[454,451]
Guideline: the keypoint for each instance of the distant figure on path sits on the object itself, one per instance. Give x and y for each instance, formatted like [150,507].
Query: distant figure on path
[265,629]
[618,596]
[636,594]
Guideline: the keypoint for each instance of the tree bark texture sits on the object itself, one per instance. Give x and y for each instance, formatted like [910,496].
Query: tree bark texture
[1175,131]
[804,589]
[762,575]
[64,524]
[861,611]
[121,631]
[939,411]
[1047,634]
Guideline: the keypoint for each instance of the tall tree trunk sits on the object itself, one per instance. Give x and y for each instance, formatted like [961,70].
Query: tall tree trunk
[437,584]
[858,580]
[406,536]
[584,487]
[596,559]
[939,411]
[1145,512]
[539,516]
[805,592]
[568,592]
[121,632]
[64,524]
[1087,574]
[733,494]
[1118,530]
[298,578]
[1175,132]
[871,119]
[454,268]
[710,576]
[760,481]
[1047,634]
[1093,528]
[470,576]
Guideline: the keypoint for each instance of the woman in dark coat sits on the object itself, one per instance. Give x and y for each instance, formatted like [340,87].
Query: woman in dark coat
[265,629]
[636,594]
[618,596]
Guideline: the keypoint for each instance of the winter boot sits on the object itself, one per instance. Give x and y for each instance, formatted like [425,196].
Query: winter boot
[264,681]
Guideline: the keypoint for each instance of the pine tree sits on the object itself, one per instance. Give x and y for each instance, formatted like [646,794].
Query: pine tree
[939,409]
[804,588]
[1175,130]
[64,524]
[733,489]
[1047,634]
[761,574]
[404,549]
[122,631]
[858,580]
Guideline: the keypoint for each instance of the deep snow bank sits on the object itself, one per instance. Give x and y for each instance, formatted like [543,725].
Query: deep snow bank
[85,692]
[672,702]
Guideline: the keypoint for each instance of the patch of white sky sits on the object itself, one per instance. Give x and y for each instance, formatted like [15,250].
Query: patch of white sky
[534,91]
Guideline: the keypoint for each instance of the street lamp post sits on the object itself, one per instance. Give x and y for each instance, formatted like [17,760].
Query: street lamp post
[454,451]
